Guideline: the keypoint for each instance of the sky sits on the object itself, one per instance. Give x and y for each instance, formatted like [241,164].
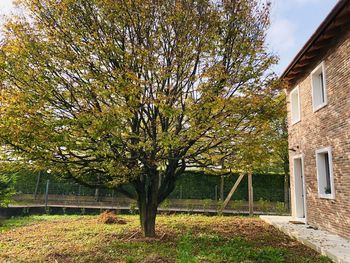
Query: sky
[292,24]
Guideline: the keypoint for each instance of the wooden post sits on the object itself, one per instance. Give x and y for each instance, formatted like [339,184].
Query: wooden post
[97,194]
[250,194]
[47,194]
[37,185]
[222,188]
[216,193]
[79,190]
[232,191]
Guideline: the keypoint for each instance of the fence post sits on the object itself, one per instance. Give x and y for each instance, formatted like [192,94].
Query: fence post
[79,190]
[250,194]
[222,188]
[47,193]
[97,194]
[37,185]
[216,193]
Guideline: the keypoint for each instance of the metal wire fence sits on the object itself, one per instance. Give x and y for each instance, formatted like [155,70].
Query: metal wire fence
[194,191]
[194,185]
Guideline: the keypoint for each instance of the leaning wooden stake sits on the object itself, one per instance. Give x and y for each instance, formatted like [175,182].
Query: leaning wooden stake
[47,194]
[228,198]
[250,194]
[37,185]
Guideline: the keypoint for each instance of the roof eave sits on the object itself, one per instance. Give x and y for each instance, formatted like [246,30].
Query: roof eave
[315,36]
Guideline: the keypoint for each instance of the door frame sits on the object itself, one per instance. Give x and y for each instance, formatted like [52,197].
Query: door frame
[301,158]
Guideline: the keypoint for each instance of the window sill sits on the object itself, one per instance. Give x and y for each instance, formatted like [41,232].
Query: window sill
[320,106]
[326,196]
[295,122]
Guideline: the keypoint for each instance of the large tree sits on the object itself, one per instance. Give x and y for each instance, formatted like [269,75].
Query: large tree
[109,92]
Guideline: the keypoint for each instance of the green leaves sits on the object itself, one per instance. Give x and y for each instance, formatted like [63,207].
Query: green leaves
[6,189]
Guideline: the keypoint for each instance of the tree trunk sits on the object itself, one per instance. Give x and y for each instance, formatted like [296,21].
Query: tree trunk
[147,200]
[148,213]
[151,190]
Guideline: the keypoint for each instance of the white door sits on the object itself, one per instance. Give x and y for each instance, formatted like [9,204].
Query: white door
[299,188]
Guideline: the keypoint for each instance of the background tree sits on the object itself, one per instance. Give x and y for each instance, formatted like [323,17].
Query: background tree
[278,141]
[263,147]
[107,92]
[6,189]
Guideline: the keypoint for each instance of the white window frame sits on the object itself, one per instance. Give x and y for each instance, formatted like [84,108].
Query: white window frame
[296,89]
[321,193]
[320,67]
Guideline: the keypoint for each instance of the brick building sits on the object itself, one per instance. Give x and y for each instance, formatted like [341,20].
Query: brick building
[318,100]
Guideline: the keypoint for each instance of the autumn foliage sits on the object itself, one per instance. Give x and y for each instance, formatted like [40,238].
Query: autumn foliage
[109,92]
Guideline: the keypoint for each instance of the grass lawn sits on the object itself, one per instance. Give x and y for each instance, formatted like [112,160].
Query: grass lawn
[181,238]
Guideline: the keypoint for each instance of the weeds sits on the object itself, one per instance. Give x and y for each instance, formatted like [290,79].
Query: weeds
[281,208]
[237,205]
[133,208]
[263,205]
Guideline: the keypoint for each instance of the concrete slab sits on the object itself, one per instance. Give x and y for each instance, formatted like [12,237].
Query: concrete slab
[335,247]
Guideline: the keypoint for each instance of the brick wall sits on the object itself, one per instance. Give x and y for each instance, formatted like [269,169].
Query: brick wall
[329,126]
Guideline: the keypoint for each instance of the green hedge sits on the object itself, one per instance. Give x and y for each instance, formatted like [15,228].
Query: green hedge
[190,185]
[197,185]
